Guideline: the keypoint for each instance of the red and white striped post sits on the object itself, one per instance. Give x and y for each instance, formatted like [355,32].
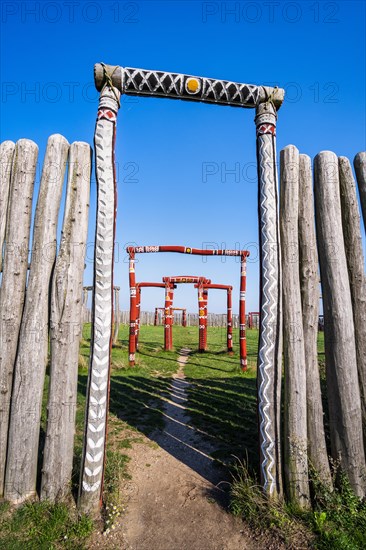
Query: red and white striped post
[242,331]
[229,321]
[168,317]
[205,318]
[133,310]
[138,310]
[201,319]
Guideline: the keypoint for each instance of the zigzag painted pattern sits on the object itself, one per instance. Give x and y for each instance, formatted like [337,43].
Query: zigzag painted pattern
[267,348]
[96,416]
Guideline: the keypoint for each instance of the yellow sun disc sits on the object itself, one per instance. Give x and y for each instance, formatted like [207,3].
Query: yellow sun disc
[193,85]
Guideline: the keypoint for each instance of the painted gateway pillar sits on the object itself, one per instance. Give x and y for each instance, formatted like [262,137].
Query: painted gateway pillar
[111,82]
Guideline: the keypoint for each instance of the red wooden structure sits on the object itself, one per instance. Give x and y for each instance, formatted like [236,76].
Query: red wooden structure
[182,309]
[229,321]
[202,304]
[133,250]
[252,314]
[135,325]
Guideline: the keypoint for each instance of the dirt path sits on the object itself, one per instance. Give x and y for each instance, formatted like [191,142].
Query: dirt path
[175,501]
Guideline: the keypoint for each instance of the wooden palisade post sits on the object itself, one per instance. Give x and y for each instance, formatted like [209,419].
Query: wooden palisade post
[32,353]
[269,352]
[14,278]
[355,262]
[66,311]
[295,425]
[309,284]
[92,466]
[360,169]
[6,159]
[339,335]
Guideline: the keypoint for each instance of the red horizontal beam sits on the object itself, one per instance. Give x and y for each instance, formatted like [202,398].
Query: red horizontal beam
[180,279]
[218,287]
[186,250]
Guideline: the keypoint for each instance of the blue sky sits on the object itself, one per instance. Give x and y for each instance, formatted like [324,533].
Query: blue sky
[315,50]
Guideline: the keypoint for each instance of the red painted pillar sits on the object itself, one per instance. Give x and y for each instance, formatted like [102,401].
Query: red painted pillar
[205,305]
[229,322]
[168,317]
[242,335]
[184,318]
[201,324]
[156,317]
[138,311]
[132,338]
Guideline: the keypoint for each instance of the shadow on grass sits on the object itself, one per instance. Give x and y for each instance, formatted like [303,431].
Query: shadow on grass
[203,423]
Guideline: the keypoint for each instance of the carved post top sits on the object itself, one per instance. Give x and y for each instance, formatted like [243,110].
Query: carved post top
[181,86]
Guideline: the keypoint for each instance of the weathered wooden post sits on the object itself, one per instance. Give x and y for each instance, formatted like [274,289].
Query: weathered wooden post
[184,317]
[156,316]
[355,263]
[6,159]
[270,347]
[295,424]
[92,466]
[66,312]
[340,349]
[309,284]
[14,277]
[360,169]
[31,360]
[116,314]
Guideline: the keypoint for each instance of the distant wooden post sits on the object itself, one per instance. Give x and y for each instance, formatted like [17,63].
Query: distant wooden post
[340,349]
[295,424]
[32,354]
[355,262]
[6,159]
[270,346]
[360,169]
[66,310]
[309,282]
[184,317]
[92,465]
[156,316]
[15,267]
[116,314]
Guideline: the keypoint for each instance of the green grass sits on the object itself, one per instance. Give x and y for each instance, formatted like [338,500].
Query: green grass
[222,404]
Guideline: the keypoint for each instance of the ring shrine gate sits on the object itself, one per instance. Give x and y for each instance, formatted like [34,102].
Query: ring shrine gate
[135,305]
[202,306]
[229,319]
[112,82]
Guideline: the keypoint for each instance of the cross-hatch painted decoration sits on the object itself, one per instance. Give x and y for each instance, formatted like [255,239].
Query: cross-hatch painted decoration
[132,81]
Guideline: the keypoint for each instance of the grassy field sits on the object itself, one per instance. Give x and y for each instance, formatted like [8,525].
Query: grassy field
[221,403]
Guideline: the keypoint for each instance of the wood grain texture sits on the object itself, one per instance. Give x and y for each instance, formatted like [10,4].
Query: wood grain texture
[66,313]
[309,283]
[6,159]
[15,266]
[31,361]
[355,262]
[295,418]
[344,401]
[116,315]
[360,169]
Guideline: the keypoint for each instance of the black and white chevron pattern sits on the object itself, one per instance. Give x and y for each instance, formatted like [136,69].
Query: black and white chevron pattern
[270,301]
[98,381]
